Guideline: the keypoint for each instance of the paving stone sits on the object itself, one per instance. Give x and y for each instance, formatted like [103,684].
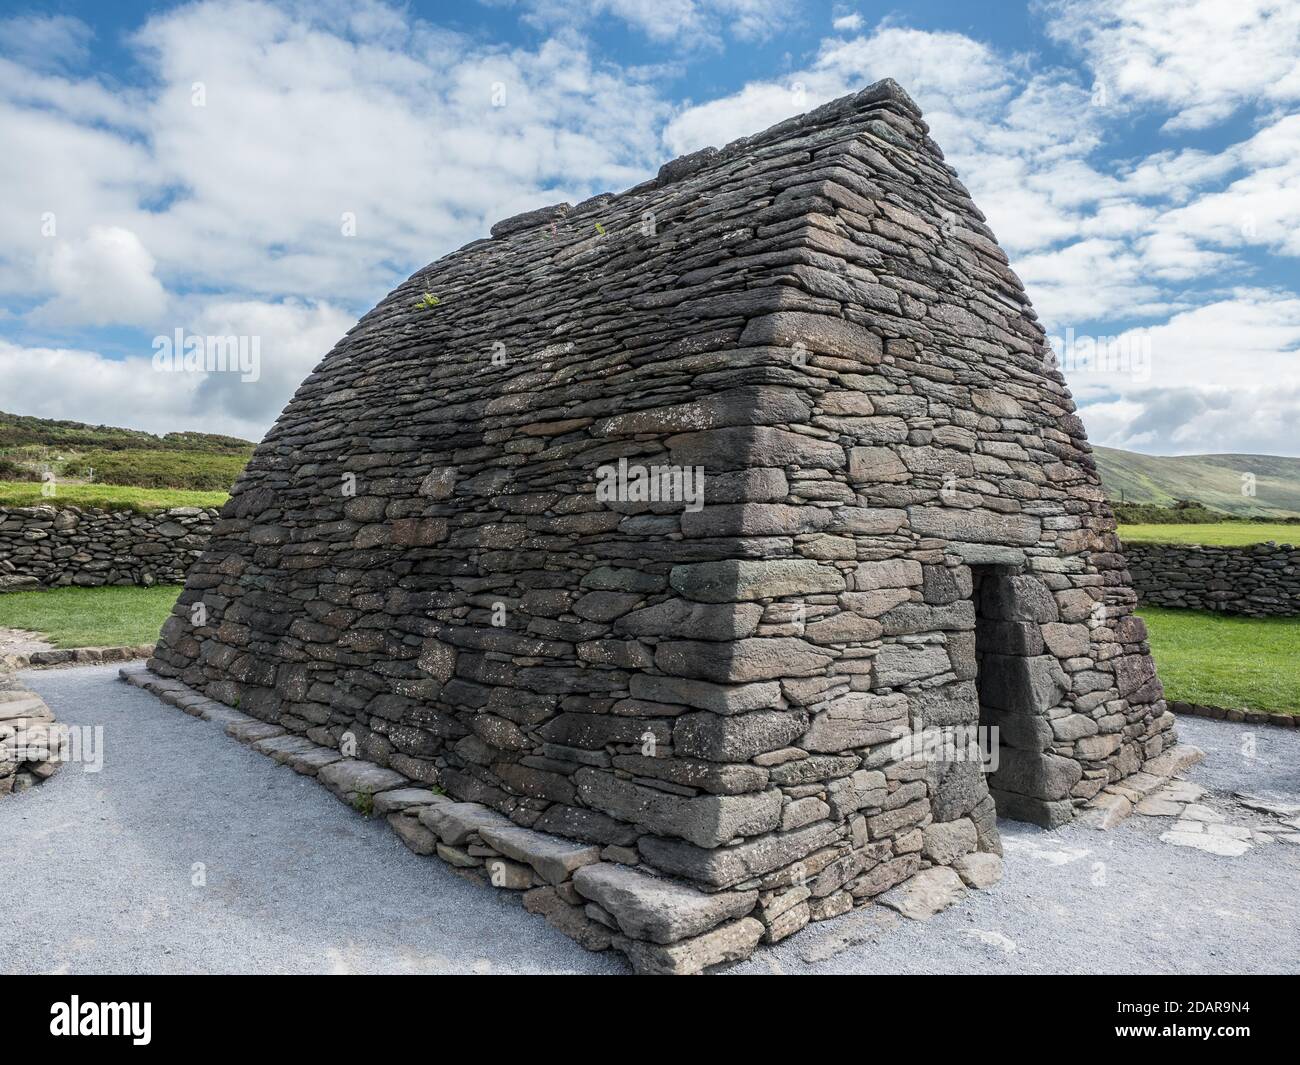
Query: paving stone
[1203,841]
[925,894]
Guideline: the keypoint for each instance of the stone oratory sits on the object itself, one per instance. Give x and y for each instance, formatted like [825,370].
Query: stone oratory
[666,558]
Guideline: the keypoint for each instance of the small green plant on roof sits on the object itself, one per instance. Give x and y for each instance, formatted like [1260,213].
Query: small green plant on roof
[364,803]
[427,302]
[600,229]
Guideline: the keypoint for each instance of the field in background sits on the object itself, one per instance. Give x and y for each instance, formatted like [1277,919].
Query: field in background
[1247,663]
[105,496]
[1224,534]
[1214,480]
[93,457]
[91,617]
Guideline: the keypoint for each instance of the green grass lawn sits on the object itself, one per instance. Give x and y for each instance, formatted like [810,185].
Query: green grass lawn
[1226,534]
[106,496]
[91,617]
[1237,663]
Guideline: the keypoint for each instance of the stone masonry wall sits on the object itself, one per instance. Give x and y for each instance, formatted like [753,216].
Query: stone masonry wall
[1262,580]
[50,546]
[765,694]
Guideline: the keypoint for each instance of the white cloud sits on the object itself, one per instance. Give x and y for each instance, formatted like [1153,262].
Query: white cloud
[83,385]
[1202,59]
[43,42]
[313,113]
[1221,377]
[692,23]
[105,278]
[394,125]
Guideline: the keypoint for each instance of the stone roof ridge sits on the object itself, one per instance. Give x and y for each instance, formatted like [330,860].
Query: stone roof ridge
[885,91]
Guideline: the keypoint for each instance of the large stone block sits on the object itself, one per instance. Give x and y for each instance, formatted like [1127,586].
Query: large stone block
[736,738]
[706,820]
[657,909]
[856,719]
[734,581]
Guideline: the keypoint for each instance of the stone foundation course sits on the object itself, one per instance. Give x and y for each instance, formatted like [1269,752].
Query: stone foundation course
[48,547]
[1260,581]
[729,545]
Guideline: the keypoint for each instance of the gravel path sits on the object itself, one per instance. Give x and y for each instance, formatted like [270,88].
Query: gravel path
[100,868]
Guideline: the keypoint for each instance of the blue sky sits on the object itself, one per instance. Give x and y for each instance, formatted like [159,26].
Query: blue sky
[195,166]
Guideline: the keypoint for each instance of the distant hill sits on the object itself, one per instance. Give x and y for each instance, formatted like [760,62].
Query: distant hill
[75,452]
[1214,480]
[103,454]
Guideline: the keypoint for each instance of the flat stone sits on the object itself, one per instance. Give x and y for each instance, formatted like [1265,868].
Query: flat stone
[566,918]
[652,908]
[18,705]
[510,876]
[457,857]
[352,777]
[856,719]
[1106,811]
[730,942]
[416,837]
[1174,761]
[1197,812]
[552,858]
[1203,841]
[1157,807]
[252,730]
[1267,806]
[284,747]
[406,799]
[731,581]
[705,820]
[925,894]
[455,822]
[719,698]
[979,870]
[724,867]
[946,841]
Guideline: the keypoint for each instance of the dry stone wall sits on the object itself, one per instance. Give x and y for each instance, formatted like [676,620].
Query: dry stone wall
[30,739]
[679,525]
[1262,580]
[47,546]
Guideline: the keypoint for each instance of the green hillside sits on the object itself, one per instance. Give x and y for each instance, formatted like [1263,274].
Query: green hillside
[95,465]
[1213,480]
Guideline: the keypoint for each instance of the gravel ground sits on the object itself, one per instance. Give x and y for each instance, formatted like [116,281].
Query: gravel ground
[22,642]
[100,866]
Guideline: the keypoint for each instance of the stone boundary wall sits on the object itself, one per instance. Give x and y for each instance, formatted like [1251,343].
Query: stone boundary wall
[47,546]
[1258,581]
[73,656]
[1238,714]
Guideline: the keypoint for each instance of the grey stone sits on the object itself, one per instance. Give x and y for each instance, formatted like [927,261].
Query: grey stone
[656,909]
